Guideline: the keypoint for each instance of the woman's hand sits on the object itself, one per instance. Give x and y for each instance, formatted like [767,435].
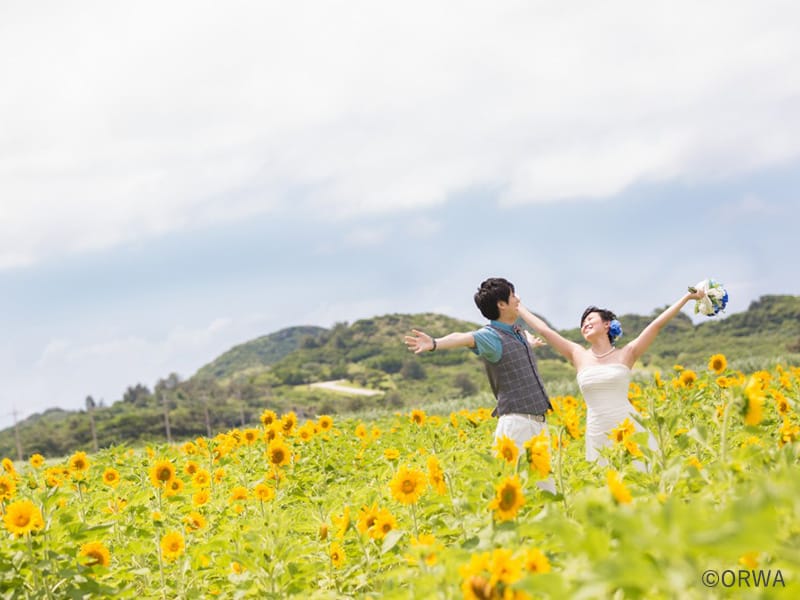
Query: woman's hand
[695,294]
[534,341]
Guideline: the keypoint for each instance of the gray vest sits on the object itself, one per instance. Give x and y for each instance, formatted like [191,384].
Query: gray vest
[515,378]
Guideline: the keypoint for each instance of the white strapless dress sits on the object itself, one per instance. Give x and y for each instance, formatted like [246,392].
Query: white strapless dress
[605,391]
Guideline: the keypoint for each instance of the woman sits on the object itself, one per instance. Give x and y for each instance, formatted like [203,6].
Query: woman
[603,370]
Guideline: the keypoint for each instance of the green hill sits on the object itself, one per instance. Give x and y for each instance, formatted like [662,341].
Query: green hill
[260,352]
[275,371]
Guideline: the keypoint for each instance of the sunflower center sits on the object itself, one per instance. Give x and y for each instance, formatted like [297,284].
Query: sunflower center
[507,498]
[408,486]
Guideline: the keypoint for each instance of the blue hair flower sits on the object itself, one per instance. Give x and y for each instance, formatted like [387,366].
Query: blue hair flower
[615,330]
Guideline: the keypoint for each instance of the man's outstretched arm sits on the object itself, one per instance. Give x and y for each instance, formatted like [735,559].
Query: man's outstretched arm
[420,341]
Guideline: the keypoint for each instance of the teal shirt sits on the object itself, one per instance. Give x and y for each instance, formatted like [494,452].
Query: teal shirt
[488,344]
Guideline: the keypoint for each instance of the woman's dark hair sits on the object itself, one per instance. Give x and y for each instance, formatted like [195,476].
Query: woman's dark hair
[491,292]
[604,313]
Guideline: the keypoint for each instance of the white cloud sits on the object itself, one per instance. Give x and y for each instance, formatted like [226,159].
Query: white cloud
[122,122]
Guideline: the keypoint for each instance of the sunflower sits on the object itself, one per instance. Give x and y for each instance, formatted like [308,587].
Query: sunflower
[475,585]
[622,431]
[535,561]
[78,463]
[687,378]
[22,517]
[367,516]
[717,363]
[788,433]
[194,521]
[191,467]
[268,417]
[272,432]
[111,477]
[189,449]
[174,487]
[657,379]
[383,525]
[509,498]
[436,476]
[418,416]
[504,568]
[288,423]
[325,422]
[781,403]
[8,466]
[694,462]
[8,487]
[342,522]
[361,431]
[617,487]
[306,432]
[201,478]
[239,492]
[425,546]
[37,460]
[200,498]
[250,436]
[391,454]
[279,453]
[172,545]
[754,402]
[408,485]
[162,473]
[94,553]
[633,448]
[263,492]
[338,557]
[506,449]
[538,448]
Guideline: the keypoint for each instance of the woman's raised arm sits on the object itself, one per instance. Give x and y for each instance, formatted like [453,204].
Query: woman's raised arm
[561,344]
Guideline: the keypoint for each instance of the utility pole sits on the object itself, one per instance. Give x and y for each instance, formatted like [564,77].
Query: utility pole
[166,416]
[208,420]
[90,409]
[16,436]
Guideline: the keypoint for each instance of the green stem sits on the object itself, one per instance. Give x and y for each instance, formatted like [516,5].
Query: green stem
[161,569]
[723,444]
[560,463]
[456,512]
[81,511]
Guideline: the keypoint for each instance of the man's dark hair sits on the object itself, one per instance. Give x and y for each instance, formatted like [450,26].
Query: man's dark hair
[604,313]
[491,292]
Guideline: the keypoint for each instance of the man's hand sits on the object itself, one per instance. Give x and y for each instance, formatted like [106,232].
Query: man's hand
[419,342]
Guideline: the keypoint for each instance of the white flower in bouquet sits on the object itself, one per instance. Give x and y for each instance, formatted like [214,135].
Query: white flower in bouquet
[714,300]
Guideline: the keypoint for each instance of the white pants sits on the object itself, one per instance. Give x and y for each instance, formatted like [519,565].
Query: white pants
[521,429]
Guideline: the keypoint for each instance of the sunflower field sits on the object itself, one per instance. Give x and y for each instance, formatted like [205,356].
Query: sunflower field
[425,505]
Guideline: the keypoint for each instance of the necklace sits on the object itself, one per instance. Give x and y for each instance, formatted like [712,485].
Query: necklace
[603,354]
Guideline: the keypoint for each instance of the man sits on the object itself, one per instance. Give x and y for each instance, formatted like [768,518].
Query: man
[510,363]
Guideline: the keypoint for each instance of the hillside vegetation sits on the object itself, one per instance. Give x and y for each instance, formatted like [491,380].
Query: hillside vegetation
[273,372]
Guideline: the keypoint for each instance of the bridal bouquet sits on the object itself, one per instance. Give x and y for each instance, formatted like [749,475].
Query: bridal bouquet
[714,300]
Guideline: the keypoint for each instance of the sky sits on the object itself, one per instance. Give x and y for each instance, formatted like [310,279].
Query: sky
[179,178]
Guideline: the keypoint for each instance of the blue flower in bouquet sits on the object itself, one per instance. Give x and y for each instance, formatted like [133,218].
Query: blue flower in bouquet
[615,330]
[715,299]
